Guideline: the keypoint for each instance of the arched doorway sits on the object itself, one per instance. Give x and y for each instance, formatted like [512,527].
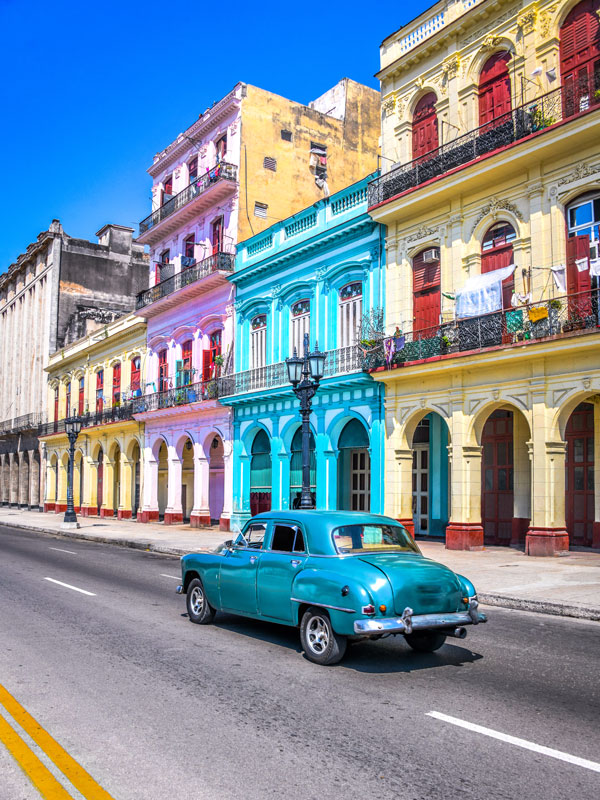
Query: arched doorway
[187,479]
[354,468]
[100,481]
[296,469]
[260,474]
[430,476]
[135,479]
[116,480]
[580,57]
[494,90]
[497,484]
[163,479]
[216,480]
[579,476]
[426,292]
[425,137]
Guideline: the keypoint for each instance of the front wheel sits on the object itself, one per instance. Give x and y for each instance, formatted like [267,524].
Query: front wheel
[425,641]
[320,642]
[199,609]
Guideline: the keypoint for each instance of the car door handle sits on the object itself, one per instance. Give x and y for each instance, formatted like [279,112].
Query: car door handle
[253,559]
[295,562]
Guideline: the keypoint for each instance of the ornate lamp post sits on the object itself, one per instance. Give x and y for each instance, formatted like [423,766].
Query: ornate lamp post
[72,428]
[305,374]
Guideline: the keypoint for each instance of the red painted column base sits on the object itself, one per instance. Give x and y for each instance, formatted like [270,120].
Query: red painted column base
[464,536]
[147,516]
[199,520]
[173,518]
[60,508]
[409,525]
[224,524]
[546,541]
[520,525]
[123,513]
[48,507]
[88,511]
[107,512]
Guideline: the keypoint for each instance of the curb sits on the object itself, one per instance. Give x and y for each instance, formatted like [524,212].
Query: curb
[500,600]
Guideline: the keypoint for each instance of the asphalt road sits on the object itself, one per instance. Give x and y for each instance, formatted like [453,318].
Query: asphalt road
[155,708]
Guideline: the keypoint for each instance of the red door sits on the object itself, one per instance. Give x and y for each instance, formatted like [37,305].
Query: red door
[100,485]
[426,296]
[497,253]
[579,283]
[580,57]
[81,395]
[217,235]
[167,192]
[579,483]
[116,387]
[163,371]
[425,127]
[206,365]
[494,88]
[497,497]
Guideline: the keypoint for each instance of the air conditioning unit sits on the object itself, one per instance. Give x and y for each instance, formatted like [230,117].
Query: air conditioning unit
[431,255]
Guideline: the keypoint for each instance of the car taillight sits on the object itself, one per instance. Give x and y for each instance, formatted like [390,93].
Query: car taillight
[370,609]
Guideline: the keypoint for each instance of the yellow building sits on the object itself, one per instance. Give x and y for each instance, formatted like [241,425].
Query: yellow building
[491,197]
[96,378]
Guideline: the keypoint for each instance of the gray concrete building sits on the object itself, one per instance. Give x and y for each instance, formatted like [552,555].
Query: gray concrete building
[59,290]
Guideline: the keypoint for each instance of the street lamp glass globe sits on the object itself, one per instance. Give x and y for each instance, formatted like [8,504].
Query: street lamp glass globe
[316,361]
[294,368]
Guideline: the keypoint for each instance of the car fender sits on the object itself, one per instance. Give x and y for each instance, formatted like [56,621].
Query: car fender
[207,567]
[467,586]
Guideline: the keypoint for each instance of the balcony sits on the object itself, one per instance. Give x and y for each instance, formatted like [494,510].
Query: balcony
[337,362]
[180,396]
[186,283]
[26,422]
[573,315]
[204,191]
[122,413]
[530,119]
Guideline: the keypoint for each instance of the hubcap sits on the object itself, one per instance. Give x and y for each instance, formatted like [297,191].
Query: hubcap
[197,600]
[317,635]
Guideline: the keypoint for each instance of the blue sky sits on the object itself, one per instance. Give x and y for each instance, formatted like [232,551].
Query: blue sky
[91,91]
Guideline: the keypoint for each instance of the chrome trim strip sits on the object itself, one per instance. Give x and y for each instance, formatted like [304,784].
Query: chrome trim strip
[323,605]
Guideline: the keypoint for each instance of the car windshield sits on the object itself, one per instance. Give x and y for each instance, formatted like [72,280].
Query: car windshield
[373,539]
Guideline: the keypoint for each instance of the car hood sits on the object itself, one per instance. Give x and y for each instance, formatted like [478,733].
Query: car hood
[423,585]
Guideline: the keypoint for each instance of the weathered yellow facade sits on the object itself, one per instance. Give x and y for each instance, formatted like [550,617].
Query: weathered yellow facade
[505,386]
[107,467]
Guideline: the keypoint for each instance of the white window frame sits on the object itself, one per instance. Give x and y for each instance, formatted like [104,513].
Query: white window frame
[258,343]
[349,316]
[299,325]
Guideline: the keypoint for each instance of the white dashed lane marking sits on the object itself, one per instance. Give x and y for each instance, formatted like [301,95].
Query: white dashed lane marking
[60,550]
[68,586]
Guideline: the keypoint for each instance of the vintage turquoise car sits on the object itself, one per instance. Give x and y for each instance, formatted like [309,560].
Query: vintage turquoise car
[339,576]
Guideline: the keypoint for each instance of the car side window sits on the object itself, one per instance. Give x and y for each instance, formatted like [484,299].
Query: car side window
[255,535]
[288,539]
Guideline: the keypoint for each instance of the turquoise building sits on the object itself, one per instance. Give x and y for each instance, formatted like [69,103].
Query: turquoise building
[319,272]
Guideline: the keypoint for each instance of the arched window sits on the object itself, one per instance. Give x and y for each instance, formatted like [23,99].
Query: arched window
[209,367]
[580,57]
[350,313]
[260,474]
[163,370]
[583,235]
[426,292]
[425,126]
[99,391]
[494,89]
[300,324]
[134,384]
[497,253]
[296,468]
[116,384]
[258,341]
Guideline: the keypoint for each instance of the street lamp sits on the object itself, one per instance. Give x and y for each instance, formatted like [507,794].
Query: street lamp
[72,429]
[305,374]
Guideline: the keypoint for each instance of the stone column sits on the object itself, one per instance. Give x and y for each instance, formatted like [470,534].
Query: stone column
[402,489]
[125,509]
[43,454]
[107,508]
[173,511]
[201,511]
[465,531]
[34,480]
[521,479]
[89,501]
[149,510]
[24,470]
[50,483]
[4,494]
[225,520]
[14,479]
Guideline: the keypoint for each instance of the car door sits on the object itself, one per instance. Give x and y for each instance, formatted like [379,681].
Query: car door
[239,567]
[279,564]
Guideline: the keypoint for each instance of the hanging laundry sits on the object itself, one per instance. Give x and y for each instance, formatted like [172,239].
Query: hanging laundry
[519,299]
[581,264]
[482,294]
[537,313]
[314,160]
[399,342]
[595,267]
[559,273]
[388,346]
[323,161]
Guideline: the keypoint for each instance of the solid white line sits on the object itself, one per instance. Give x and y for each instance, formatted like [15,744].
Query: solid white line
[60,550]
[68,586]
[175,577]
[504,737]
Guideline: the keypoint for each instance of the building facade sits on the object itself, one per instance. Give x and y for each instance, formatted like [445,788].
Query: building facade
[60,289]
[491,197]
[97,378]
[319,272]
[226,177]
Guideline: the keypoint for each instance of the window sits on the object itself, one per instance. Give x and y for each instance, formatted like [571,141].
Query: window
[135,375]
[167,192]
[217,235]
[497,253]
[68,401]
[258,341]
[583,218]
[286,135]
[163,371]
[580,57]
[221,147]
[189,246]
[193,169]
[255,535]
[373,538]
[494,89]
[425,127]
[209,369]
[99,391]
[260,210]
[184,367]
[270,163]
[583,228]
[81,394]
[318,159]
[426,292]
[287,539]
[350,313]
[116,387]
[300,319]
[56,390]
[165,256]
[161,270]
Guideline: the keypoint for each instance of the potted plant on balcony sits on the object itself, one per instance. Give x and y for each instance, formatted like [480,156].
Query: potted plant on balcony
[212,389]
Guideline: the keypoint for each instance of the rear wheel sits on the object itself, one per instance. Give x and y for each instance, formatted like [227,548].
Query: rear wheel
[320,642]
[199,609]
[425,641]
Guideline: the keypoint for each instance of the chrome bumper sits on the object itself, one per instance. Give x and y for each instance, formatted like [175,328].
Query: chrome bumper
[410,622]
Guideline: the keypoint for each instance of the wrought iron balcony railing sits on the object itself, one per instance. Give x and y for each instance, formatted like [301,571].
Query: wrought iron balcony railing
[337,362]
[26,422]
[218,262]
[180,396]
[105,417]
[530,323]
[560,104]
[221,172]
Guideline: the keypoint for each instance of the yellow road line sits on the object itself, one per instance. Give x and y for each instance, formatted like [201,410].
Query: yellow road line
[41,777]
[78,776]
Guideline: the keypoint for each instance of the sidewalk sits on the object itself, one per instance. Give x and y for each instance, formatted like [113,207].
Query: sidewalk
[568,585]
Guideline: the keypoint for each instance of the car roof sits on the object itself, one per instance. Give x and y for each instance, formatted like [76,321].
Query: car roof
[320,524]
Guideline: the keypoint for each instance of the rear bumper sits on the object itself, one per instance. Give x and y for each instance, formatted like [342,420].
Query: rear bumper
[410,622]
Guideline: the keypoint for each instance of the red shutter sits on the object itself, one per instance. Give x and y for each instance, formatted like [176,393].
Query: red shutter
[217,235]
[116,388]
[206,364]
[579,49]
[135,374]
[425,126]
[578,283]
[55,404]
[81,394]
[426,295]
[494,88]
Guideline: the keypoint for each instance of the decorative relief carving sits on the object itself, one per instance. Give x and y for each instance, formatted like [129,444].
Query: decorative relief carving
[177,173]
[493,207]
[526,20]
[496,394]
[389,105]
[473,403]
[422,233]
[546,20]
[586,383]
[483,30]
[490,42]
[320,273]
[580,171]
[451,66]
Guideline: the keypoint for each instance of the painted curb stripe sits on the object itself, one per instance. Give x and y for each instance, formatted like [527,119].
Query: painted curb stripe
[78,776]
[504,737]
[68,586]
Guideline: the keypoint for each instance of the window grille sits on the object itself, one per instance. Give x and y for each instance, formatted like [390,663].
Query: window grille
[260,210]
[270,163]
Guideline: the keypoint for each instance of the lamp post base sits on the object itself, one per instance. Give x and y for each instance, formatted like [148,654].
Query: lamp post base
[69,526]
